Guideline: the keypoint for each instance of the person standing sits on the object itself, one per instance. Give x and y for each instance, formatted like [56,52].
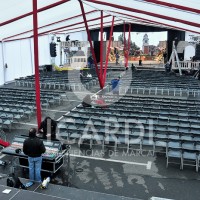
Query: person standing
[90,62]
[117,58]
[33,147]
[48,126]
[115,86]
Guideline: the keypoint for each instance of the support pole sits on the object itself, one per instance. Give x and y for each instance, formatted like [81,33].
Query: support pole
[37,77]
[32,67]
[178,63]
[90,41]
[128,46]
[172,58]
[124,44]
[108,51]
[101,48]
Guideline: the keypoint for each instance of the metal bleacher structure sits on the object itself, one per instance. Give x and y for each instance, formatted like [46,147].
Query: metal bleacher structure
[160,83]
[19,103]
[157,111]
[61,80]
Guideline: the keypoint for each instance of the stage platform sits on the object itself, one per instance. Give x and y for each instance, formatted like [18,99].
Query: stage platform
[54,192]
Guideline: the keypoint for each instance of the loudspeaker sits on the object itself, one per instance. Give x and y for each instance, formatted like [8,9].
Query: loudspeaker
[197,50]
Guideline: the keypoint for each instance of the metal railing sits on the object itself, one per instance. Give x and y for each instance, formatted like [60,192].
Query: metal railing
[156,91]
[186,65]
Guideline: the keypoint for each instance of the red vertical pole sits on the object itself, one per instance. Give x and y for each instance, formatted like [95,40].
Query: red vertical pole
[101,48]
[128,46]
[37,76]
[108,50]
[90,41]
[125,43]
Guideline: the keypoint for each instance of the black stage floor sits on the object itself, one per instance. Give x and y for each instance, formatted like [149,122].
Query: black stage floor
[55,192]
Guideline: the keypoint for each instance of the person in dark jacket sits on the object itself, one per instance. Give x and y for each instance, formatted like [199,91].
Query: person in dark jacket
[87,101]
[48,126]
[33,147]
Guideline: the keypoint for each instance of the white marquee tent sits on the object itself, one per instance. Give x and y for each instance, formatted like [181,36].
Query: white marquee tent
[65,16]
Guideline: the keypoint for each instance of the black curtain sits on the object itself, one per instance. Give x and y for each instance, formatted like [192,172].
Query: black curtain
[174,35]
[97,50]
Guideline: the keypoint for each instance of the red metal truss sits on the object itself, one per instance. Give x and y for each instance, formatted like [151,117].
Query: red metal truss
[128,45]
[124,44]
[101,48]
[31,13]
[76,16]
[145,12]
[36,60]
[90,41]
[108,51]
[74,24]
[174,6]
[152,21]
[59,32]
[63,31]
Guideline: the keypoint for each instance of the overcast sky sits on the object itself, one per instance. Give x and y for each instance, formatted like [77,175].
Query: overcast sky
[154,37]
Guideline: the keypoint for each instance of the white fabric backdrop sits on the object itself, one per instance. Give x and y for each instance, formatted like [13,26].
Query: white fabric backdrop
[19,55]
[1,67]
[18,58]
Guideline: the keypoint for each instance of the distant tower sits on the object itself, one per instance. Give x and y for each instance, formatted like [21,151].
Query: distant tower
[145,46]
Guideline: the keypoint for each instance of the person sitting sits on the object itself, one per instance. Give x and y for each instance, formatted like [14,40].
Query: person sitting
[87,101]
[48,126]
[167,67]
[100,102]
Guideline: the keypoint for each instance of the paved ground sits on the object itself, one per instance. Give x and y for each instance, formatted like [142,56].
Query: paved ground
[128,175]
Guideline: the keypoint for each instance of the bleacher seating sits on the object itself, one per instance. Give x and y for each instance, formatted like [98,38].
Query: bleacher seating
[65,80]
[146,82]
[16,104]
[162,121]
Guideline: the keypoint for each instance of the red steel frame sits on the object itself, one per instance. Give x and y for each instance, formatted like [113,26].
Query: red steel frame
[101,47]
[128,45]
[91,46]
[102,74]
[73,24]
[31,13]
[125,43]
[147,20]
[49,25]
[108,51]
[145,12]
[36,60]
[174,6]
